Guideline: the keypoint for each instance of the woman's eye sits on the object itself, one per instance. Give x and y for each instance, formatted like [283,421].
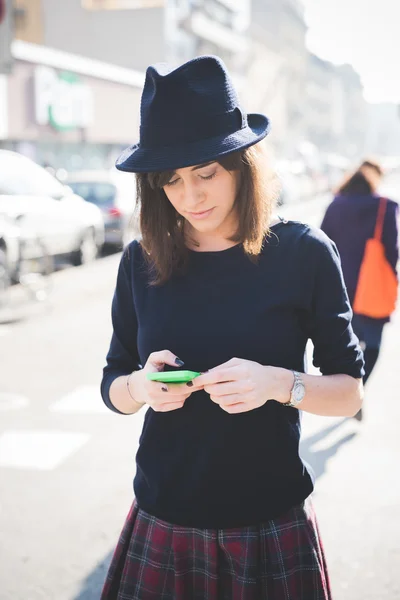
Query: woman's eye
[208,177]
[173,182]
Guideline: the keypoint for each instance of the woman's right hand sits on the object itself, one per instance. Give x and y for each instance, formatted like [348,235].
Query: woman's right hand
[161,397]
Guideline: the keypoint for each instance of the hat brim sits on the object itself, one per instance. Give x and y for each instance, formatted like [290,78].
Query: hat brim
[136,159]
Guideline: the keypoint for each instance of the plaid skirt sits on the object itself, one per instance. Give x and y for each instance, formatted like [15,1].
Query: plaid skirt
[281,559]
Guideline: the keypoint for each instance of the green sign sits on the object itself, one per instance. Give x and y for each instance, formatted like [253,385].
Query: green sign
[62,100]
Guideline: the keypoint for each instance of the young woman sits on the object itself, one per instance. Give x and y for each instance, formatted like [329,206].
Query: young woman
[222,507]
[350,221]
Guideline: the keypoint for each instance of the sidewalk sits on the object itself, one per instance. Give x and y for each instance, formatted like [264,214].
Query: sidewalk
[357,492]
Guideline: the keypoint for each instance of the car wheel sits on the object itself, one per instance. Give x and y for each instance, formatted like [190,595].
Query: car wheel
[88,249]
[5,279]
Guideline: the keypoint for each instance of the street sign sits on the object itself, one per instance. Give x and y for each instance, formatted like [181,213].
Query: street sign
[6,35]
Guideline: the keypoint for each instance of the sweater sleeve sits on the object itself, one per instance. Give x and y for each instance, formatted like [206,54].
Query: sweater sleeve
[122,357]
[336,347]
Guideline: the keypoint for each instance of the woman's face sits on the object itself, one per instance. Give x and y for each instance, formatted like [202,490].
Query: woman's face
[205,196]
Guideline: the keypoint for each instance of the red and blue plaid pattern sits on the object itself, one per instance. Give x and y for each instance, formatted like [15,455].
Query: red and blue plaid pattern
[281,559]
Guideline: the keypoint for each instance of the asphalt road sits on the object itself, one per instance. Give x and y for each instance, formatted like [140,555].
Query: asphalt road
[66,463]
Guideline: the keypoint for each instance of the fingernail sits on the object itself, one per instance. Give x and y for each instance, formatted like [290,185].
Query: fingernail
[179,362]
[190,384]
[164,388]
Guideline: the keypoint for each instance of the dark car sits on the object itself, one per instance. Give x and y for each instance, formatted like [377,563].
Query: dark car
[115,194]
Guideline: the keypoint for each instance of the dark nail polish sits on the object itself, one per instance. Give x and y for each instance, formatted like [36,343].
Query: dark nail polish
[179,362]
[190,384]
[164,388]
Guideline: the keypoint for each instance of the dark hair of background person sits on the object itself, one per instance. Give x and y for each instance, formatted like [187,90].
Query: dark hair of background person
[162,227]
[357,184]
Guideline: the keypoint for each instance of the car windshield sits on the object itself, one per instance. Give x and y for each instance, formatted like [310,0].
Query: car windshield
[96,192]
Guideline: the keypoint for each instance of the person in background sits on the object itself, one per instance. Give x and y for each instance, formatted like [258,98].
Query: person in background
[218,285]
[350,221]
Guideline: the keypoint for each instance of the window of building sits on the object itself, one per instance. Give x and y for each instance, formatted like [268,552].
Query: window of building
[28,21]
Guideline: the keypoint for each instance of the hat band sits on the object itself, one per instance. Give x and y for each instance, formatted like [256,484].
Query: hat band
[200,128]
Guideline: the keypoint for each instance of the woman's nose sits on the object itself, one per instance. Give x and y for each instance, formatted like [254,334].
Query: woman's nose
[191,196]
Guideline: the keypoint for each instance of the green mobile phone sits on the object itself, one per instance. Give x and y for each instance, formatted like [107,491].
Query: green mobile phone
[173,376]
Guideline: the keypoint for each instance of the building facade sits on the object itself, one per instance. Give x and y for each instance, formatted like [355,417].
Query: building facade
[383,130]
[355,112]
[136,33]
[130,37]
[72,97]
[65,111]
[104,47]
[279,29]
[325,105]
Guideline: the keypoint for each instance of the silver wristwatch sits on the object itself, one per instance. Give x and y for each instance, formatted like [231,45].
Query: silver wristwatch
[298,391]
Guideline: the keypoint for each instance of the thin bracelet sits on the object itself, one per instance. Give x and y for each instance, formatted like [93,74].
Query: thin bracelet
[129,392]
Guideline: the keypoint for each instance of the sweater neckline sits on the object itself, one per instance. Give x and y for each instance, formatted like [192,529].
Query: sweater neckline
[231,249]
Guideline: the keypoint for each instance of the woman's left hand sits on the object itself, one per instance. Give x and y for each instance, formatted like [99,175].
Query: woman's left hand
[241,385]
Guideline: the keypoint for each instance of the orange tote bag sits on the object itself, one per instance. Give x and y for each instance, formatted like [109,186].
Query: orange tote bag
[376,292]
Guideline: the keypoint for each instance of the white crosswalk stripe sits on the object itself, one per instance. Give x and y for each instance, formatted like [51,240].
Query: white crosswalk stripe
[46,449]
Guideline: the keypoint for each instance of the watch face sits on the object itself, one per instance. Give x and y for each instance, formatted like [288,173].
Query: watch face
[298,393]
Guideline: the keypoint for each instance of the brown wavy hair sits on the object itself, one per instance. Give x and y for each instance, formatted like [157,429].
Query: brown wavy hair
[162,227]
[358,183]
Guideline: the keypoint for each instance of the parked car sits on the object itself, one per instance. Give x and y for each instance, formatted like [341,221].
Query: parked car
[51,216]
[115,194]
[9,256]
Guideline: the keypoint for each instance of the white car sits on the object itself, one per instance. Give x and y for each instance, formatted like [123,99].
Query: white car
[49,215]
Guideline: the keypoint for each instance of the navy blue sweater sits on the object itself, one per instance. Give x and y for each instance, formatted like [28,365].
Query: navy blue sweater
[200,466]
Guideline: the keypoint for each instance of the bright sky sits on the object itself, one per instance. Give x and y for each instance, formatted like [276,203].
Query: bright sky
[364,33]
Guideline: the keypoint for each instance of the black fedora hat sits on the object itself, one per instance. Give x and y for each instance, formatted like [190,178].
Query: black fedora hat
[190,115]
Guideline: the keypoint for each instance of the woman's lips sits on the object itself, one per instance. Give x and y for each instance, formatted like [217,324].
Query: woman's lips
[201,215]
